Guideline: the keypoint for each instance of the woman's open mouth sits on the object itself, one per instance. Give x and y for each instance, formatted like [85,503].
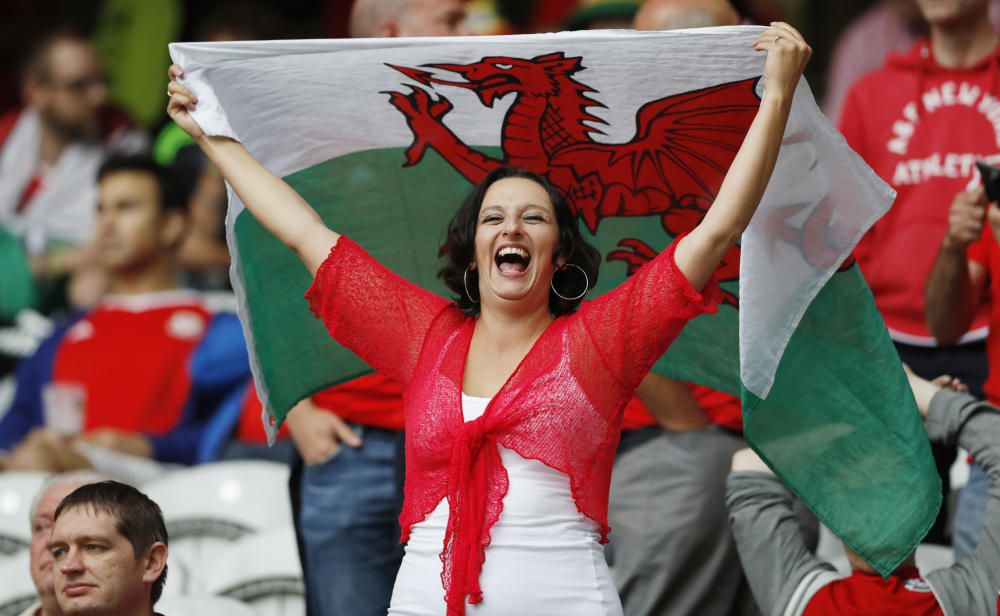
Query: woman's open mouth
[512,261]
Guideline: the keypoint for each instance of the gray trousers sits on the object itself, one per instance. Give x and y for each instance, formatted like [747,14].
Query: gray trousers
[671,548]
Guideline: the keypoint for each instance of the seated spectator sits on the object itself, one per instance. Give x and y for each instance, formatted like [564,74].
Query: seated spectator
[139,376]
[43,511]
[671,550]
[109,547]
[51,148]
[786,578]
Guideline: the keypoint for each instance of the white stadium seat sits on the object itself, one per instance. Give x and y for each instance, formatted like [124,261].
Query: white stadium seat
[17,591]
[209,507]
[263,571]
[178,575]
[203,606]
[17,490]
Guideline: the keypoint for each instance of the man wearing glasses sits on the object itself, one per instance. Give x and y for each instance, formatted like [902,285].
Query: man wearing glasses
[51,148]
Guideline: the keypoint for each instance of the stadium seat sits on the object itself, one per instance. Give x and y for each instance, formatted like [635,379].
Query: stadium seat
[17,591]
[209,507]
[261,570]
[203,606]
[17,490]
[178,575]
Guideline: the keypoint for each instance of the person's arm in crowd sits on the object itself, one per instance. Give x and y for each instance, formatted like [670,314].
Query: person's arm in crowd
[954,287]
[274,203]
[781,570]
[970,586]
[671,403]
[121,441]
[27,410]
[318,433]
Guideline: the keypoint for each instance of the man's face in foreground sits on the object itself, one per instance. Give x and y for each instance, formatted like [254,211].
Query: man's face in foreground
[96,570]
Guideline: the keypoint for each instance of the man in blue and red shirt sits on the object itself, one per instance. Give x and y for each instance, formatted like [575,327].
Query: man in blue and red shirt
[142,372]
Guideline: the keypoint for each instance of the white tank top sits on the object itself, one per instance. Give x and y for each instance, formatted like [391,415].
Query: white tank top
[543,558]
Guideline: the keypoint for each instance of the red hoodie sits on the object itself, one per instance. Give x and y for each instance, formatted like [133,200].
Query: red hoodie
[904,593]
[921,127]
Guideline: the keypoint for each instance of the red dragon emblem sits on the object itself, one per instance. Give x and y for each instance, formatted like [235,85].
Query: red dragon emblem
[672,167]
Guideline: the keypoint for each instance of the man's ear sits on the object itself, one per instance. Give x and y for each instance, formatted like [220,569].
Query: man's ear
[174,227]
[155,561]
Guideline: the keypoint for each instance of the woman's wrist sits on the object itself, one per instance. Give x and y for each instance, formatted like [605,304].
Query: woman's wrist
[780,99]
[213,146]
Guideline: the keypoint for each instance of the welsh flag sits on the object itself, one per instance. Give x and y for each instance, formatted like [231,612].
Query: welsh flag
[386,137]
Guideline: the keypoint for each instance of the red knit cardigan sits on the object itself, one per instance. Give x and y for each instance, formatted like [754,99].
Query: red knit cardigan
[562,405]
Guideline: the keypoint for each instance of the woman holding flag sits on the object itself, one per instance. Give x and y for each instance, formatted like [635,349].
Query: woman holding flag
[513,396]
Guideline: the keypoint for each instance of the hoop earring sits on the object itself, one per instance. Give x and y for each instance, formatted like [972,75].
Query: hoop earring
[465,283]
[586,285]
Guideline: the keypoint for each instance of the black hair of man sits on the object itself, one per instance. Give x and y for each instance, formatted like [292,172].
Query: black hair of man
[137,517]
[173,190]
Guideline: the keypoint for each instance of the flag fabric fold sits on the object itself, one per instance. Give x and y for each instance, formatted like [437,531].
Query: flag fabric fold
[384,138]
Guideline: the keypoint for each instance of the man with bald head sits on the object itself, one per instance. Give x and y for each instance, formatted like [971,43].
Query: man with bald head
[677,14]
[400,18]
[41,516]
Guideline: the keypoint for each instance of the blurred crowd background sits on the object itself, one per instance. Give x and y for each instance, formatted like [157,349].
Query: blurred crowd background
[849,39]
[82,121]
[132,35]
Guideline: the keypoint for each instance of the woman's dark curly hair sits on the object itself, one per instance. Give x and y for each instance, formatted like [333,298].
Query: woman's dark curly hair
[459,248]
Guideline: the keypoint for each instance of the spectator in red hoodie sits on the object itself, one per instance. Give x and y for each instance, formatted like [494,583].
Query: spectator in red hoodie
[921,122]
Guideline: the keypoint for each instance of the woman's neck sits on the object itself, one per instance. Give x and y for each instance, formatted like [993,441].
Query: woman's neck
[507,329]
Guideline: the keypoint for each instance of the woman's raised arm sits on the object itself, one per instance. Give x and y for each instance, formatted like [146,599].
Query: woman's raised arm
[271,201]
[699,253]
